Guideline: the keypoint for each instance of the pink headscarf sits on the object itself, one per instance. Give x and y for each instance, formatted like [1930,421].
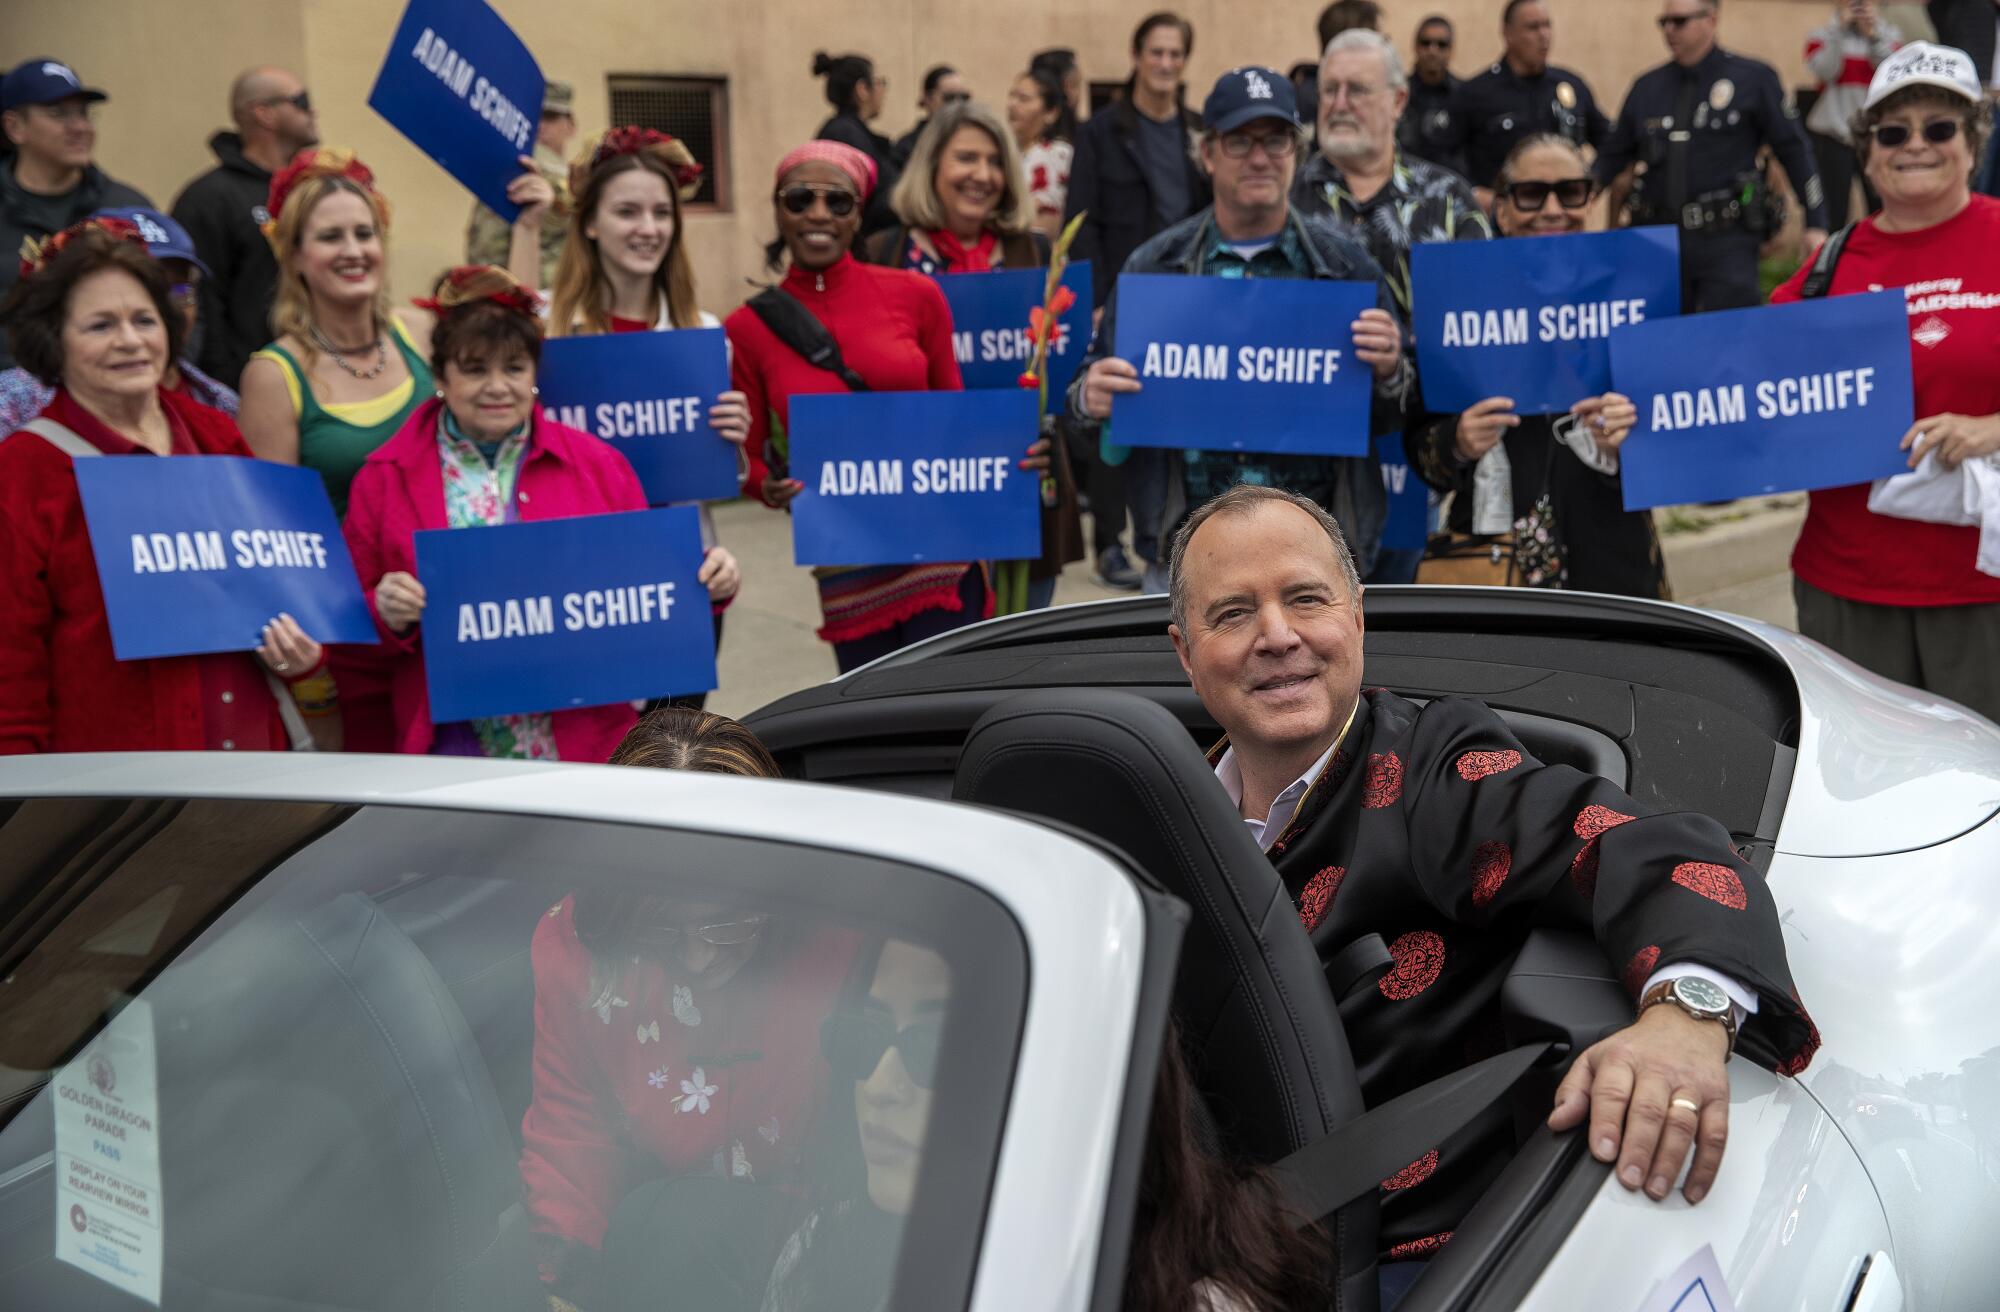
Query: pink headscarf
[855,164]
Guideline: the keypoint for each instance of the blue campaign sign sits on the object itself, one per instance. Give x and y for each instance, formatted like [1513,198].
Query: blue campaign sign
[460,85]
[197,553]
[648,394]
[1243,364]
[1781,398]
[562,613]
[989,322]
[908,478]
[1531,318]
[1408,525]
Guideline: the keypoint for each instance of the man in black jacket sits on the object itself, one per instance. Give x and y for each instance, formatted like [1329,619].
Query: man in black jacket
[1971,25]
[49,183]
[223,210]
[1133,177]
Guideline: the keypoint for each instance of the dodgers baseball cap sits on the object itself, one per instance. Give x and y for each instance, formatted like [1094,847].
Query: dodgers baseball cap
[43,82]
[165,239]
[1244,95]
[1921,64]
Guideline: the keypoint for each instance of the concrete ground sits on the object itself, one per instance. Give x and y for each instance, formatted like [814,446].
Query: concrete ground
[1730,558]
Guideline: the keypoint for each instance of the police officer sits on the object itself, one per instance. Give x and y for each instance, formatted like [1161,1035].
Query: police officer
[488,236]
[1522,95]
[1425,131]
[1697,124]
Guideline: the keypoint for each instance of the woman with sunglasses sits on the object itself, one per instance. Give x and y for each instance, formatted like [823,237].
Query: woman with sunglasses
[1551,481]
[624,268]
[893,329]
[1904,597]
[675,1035]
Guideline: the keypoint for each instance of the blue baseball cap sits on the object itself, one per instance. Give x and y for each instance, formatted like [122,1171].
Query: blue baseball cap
[43,82]
[1244,95]
[165,239]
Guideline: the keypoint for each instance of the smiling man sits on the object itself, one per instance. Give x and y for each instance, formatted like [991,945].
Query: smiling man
[1432,826]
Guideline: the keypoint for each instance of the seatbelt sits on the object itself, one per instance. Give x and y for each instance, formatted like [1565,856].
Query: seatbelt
[1819,280]
[1327,1174]
[66,440]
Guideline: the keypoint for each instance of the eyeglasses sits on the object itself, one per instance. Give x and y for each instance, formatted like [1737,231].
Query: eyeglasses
[1570,193]
[1675,22]
[302,101]
[855,1042]
[726,934]
[1937,132]
[1330,91]
[797,200]
[1275,145]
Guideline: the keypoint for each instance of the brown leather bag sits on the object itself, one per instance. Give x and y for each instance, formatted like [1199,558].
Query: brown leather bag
[1469,559]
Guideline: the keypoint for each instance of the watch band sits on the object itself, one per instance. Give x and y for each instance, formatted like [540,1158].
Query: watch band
[1663,992]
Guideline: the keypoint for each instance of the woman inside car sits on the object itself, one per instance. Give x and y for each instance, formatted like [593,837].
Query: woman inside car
[1549,481]
[675,1036]
[481,454]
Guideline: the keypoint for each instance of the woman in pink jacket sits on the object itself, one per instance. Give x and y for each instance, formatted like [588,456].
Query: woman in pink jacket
[483,454]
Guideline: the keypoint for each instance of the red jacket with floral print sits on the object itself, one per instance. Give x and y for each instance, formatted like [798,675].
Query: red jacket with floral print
[1434,828]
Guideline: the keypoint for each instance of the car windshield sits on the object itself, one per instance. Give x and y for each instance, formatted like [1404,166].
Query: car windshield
[311,1056]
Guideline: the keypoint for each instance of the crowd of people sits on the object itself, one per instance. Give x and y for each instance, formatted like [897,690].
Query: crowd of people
[286,335]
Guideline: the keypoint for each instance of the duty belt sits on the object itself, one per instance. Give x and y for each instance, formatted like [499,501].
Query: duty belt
[1713,210]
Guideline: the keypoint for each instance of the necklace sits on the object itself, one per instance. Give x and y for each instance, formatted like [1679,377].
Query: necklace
[340,357]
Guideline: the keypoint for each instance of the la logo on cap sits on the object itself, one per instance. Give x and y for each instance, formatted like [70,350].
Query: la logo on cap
[62,71]
[154,234]
[1255,85]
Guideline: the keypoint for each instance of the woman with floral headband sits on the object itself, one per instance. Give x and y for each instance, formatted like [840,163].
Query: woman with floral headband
[625,268]
[93,317]
[345,372]
[484,453]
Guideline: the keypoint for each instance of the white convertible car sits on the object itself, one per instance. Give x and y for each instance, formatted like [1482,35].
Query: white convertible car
[267,1022]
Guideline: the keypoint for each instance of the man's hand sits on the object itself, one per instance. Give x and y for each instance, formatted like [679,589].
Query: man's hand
[1650,1092]
[1107,378]
[1378,341]
[1955,438]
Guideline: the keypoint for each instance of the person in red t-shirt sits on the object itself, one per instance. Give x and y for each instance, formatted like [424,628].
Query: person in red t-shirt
[93,317]
[1902,597]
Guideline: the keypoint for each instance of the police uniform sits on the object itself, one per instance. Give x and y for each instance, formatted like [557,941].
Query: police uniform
[1698,131]
[489,239]
[1429,122]
[1499,107]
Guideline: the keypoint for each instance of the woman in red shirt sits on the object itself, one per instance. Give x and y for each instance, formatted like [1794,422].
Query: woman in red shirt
[625,269]
[894,330]
[1900,596]
[93,317]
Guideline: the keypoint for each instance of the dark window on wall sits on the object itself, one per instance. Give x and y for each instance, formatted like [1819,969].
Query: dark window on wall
[694,109]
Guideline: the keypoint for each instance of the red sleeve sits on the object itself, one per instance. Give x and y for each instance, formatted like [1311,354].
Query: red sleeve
[936,320]
[570,1158]
[746,376]
[364,531]
[27,610]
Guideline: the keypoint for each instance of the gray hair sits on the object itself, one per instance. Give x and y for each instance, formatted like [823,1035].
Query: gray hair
[1361,38]
[915,199]
[1238,500]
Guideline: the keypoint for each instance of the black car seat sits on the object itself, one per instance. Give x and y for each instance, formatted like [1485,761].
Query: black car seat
[1268,1052]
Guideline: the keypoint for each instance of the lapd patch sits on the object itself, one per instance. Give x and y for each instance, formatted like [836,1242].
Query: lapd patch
[1565,95]
[1721,94]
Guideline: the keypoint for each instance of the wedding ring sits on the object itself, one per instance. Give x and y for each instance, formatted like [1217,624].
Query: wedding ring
[280,666]
[1688,1103]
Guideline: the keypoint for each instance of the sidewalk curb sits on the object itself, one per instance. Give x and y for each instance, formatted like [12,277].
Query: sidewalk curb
[1734,552]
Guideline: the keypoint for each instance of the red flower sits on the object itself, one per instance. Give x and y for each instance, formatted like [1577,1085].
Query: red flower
[470,283]
[1063,299]
[1317,896]
[669,149]
[1029,380]
[1719,884]
[326,161]
[36,256]
[1490,864]
[1384,783]
[1419,961]
[1474,766]
[1640,968]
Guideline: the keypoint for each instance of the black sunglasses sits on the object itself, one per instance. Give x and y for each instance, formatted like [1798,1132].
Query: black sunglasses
[854,1044]
[956,97]
[797,200]
[1675,22]
[1434,42]
[302,101]
[1937,132]
[1570,193]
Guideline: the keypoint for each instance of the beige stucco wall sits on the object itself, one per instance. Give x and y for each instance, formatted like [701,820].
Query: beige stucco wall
[168,67]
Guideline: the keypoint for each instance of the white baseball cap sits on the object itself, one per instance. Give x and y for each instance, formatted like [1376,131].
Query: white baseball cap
[1921,64]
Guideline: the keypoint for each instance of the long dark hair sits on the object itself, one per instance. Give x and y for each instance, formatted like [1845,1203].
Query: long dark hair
[842,74]
[1050,87]
[1203,1216]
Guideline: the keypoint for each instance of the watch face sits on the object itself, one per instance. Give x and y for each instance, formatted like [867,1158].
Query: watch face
[1701,995]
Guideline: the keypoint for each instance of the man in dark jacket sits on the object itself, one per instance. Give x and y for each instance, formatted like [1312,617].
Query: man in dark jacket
[49,183]
[1971,25]
[223,210]
[1250,143]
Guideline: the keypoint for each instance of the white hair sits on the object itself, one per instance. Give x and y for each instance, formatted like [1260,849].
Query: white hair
[1361,38]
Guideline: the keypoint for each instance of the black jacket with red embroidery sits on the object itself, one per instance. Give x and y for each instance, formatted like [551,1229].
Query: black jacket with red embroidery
[1434,828]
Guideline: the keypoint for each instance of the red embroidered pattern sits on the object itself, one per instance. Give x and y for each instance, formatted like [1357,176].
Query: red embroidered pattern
[1414,1174]
[1419,1247]
[1317,896]
[1474,766]
[1419,960]
[1384,783]
[1591,823]
[1718,884]
[1795,1065]
[1640,968]
[1583,870]
[1490,864]
[1593,820]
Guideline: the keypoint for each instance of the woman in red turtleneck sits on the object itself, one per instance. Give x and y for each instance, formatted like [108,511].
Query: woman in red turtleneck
[894,330]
